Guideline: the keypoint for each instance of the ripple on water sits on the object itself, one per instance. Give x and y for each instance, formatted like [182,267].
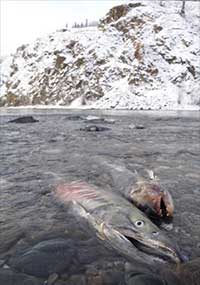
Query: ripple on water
[4,183]
[52,151]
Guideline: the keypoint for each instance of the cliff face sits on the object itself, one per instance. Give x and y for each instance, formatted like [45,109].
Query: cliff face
[142,56]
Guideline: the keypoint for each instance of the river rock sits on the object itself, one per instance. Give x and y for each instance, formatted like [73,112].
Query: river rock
[94,128]
[10,235]
[52,279]
[146,279]
[45,258]
[189,272]
[7,277]
[2,262]
[74,118]
[96,120]
[137,127]
[24,120]
[76,279]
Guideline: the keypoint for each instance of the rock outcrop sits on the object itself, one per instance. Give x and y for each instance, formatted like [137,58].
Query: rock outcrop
[143,55]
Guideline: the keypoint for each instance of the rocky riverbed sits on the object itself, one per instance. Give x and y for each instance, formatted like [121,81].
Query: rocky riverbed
[42,241]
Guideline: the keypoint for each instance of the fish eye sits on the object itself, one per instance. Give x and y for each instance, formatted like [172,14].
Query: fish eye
[139,223]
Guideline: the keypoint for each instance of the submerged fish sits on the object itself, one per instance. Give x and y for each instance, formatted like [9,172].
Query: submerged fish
[144,191]
[148,195]
[119,223]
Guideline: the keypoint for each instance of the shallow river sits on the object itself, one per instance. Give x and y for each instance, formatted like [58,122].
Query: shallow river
[37,156]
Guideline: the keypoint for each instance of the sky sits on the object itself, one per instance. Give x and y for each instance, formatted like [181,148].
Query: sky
[22,21]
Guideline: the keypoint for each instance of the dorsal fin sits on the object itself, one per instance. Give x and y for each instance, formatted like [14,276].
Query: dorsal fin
[152,175]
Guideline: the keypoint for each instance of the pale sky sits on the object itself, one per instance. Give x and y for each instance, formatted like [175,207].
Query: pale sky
[22,21]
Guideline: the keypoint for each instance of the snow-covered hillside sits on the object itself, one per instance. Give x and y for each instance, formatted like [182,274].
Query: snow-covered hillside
[143,55]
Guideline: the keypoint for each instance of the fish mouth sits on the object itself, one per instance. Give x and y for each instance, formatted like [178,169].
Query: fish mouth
[163,209]
[156,249]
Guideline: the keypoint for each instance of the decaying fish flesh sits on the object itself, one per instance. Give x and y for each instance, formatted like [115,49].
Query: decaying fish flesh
[119,223]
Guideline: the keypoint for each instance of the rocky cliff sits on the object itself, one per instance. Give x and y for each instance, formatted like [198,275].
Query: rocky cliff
[143,55]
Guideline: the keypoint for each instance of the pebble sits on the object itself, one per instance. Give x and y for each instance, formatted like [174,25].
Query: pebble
[52,279]
[61,282]
[167,227]
[76,279]
[2,262]
[91,118]
[94,128]
[146,279]
[74,118]
[132,126]
[137,127]
[95,119]
[5,266]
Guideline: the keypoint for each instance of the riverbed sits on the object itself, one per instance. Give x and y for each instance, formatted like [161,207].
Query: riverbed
[61,147]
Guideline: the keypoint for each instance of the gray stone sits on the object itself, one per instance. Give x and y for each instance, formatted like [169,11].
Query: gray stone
[7,277]
[145,279]
[94,128]
[76,279]
[52,279]
[2,262]
[24,120]
[45,258]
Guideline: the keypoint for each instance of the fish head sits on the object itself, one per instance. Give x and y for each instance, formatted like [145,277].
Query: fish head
[139,231]
[149,195]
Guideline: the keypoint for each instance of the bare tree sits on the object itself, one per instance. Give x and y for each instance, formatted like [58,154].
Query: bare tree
[86,23]
[183,8]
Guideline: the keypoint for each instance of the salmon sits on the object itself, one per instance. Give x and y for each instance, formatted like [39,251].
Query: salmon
[119,223]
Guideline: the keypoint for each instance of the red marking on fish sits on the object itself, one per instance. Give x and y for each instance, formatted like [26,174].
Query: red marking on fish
[75,191]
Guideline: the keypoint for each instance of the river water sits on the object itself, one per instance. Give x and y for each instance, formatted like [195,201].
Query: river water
[37,156]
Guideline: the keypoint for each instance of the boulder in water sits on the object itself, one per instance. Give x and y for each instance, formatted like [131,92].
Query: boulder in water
[24,120]
[45,258]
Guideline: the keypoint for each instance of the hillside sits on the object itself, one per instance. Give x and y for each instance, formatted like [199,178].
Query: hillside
[143,55]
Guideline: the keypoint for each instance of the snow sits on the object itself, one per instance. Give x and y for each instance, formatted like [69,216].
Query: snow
[147,59]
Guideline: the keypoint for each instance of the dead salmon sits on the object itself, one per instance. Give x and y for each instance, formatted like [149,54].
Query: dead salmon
[115,220]
[144,191]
